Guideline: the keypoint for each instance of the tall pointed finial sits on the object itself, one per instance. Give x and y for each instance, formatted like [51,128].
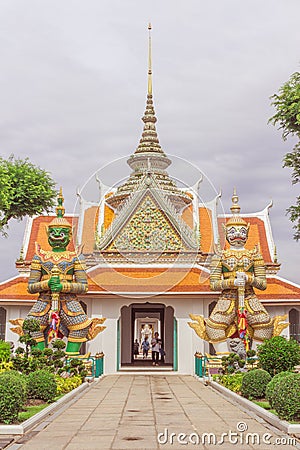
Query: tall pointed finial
[149,156]
[59,220]
[236,219]
[235,207]
[275,255]
[60,210]
[150,61]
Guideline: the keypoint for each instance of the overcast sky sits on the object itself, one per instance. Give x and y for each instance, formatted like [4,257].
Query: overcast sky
[73,87]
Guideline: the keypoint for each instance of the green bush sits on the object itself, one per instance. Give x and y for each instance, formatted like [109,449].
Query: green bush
[4,351]
[278,355]
[286,399]
[48,359]
[254,383]
[232,363]
[232,382]
[12,395]
[272,384]
[41,384]
[65,385]
[75,366]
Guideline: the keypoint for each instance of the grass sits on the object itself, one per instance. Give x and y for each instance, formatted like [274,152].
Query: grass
[266,405]
[31,411]
[263,404]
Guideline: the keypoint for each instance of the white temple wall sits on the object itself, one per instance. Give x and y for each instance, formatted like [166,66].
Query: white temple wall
[14,312]
[110,307]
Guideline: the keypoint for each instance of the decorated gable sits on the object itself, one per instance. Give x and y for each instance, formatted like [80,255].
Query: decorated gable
[148,229]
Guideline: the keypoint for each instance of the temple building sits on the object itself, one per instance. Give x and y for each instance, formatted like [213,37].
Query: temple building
[148,246]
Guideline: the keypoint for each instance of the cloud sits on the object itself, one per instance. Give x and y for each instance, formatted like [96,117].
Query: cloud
[74,86]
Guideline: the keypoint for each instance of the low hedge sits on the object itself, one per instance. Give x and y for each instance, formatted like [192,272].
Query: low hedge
[286,397]
[254,383]
[65,385]
[13,389]
[42,385]
[271,386]
[232,382]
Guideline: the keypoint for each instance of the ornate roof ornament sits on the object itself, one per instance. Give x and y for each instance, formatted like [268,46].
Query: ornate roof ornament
[236,219]
[59,220]
[149,156]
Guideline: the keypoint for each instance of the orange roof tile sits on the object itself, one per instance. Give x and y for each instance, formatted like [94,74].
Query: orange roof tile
[16,289]
[89,228]
[108,216]
[187,216]
[278,289]
[148,280]
[206,230]
[174,280]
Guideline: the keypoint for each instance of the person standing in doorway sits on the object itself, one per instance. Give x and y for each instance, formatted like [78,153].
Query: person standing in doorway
[136,348]
[145,347]
[155,344]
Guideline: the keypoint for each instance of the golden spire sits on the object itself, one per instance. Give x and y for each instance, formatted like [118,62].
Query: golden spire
[235,207]
[275,255]
[236,219]
[150,61]
[149,156]
[59,220]
[149,142]
[60,210]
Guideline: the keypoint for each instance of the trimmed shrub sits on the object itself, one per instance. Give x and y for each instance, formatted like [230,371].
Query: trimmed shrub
[286,397]
[65,385]
[41,384]
[278,354]
[4,351]
[12,395]
[6,366]
[272,384]
[232,363]
[232,382]
[254,383]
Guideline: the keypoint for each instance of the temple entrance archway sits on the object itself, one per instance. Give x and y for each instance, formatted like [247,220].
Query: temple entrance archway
[2,323]
[144,319]
[294,316]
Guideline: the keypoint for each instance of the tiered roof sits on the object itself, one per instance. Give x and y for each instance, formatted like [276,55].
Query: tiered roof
[135,219]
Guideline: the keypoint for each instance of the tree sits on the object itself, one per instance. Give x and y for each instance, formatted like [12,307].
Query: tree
[287,104]
[278,355]
[24,190]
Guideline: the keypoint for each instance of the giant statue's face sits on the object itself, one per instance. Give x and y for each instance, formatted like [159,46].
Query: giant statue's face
[59,237]
[237,235]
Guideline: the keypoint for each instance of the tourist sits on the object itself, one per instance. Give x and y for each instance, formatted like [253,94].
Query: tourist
[156,345]
[136,348]
[145,347]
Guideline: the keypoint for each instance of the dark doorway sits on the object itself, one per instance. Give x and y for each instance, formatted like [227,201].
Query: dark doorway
[83,345]
[212,350]
[294,324]
[2,323]
[134,320]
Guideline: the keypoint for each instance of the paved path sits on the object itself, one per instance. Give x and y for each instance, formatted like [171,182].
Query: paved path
[129,411]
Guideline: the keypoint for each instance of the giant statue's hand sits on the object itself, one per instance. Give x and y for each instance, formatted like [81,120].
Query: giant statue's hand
[55,284]
[241,279]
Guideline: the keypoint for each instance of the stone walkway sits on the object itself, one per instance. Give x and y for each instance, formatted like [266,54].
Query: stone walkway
[132,411]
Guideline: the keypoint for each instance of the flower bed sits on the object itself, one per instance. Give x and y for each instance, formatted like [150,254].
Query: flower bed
[25,396]
[279,395]
[23,427]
